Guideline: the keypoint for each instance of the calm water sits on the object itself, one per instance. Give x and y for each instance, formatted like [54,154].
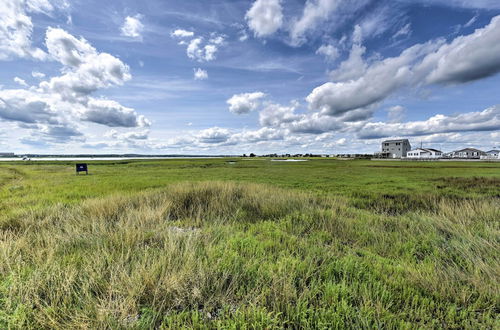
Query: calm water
[93,158]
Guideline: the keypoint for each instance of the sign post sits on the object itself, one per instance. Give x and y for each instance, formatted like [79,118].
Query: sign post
[82,168]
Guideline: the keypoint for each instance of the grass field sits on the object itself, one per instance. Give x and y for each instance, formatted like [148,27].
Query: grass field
[257,244]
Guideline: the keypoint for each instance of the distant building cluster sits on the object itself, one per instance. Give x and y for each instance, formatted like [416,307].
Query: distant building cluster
[310,155]
[402,149]
[7,154]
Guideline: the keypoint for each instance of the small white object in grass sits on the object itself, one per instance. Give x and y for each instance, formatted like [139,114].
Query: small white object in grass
[183,230]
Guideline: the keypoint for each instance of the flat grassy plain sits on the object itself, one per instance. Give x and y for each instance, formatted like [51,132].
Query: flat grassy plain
[202,243]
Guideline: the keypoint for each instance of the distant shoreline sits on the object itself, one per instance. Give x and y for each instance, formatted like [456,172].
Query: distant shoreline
[88,158]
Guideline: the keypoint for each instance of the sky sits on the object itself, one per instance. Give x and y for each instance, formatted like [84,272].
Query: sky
[231,76]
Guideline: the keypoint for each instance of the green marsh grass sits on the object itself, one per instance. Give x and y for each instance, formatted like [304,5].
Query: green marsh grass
[165,251]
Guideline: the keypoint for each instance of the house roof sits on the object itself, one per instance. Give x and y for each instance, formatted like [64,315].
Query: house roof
[469,149]
[400,140]
[494,151]
[426,150]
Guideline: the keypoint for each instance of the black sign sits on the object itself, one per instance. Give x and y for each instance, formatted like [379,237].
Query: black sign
[81,168]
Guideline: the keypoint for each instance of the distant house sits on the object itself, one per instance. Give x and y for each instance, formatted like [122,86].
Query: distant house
[7,154]
[492,154]
[468,153]
[395,148]
[424,153]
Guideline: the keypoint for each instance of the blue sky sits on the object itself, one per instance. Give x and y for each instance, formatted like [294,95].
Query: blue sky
[233,77]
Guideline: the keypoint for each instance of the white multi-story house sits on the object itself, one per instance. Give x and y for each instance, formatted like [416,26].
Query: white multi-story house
[424,153]
[492,154]
[395,148]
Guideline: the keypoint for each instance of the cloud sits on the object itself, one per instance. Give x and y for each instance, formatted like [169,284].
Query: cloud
[53,109]
[244,103]
[315,12]
[200,74]
[330,52]
[396,114]
[86,70]
[290,119]
[384,17]
[275,115]
[464,59]
[314,123]
[27,107]
[363,88]
[59,132]
[213,135]
[353,67]
[37,75]
[471,21]
[138,135]
[179,33]
[260,135]
[134,135]
[45,135]
[66,49]
[200,48]
[20,81]
[403,32]
[472,4]
[210,137]
[132,27]
[39,6]
[265,17]
[112,114]
[204,52]
[216,39]
[243,35]
[486,120]
[16,28]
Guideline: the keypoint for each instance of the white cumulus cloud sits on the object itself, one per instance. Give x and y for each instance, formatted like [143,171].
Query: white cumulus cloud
[466,58]
[265,17]
[486,120]
[112,114]
[213,135]
[203,52]
[53,110]
[37,74]
[20,81]
[330,52]
[360,84]
[16,28]
[86,70]
[245,102]
[133,27]
[180,33]
[200,48]
[200,74]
